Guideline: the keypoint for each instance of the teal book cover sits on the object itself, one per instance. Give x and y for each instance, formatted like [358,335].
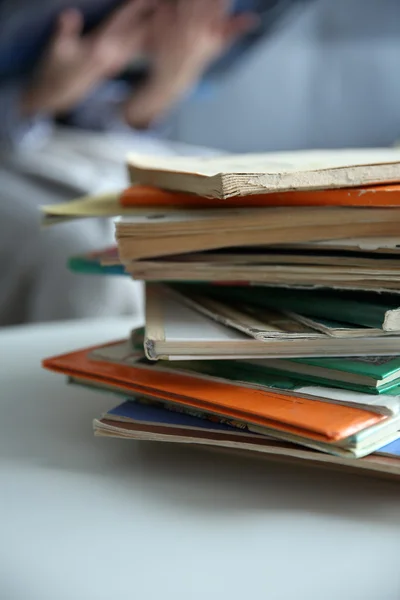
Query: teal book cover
[375,367]
[366,309]
[91,263]
[279,374]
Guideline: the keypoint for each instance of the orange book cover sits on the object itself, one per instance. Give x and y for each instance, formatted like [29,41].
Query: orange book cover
[314,419]
[373,196]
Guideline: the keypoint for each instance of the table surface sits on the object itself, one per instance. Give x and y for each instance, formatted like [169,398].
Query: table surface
[92,519]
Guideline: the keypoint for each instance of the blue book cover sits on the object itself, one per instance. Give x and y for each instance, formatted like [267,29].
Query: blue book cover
[148,412]
[143,411]
[392,449]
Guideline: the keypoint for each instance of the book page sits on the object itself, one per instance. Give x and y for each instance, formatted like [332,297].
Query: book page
[184,324]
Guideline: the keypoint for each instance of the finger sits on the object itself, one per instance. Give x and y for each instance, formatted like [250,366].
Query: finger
[70,24]
[68,30]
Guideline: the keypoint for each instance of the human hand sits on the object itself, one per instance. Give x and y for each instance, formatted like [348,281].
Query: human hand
[185,37]
[74,63]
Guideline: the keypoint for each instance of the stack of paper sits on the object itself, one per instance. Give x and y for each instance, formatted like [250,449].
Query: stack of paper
[272,307]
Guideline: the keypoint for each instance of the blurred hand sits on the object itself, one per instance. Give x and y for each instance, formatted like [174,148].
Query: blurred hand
[74,64]
[185,37]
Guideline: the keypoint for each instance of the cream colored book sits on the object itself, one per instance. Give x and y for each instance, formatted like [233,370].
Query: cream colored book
[381,275]
[101,205]
[238,175]
[176,331]
[159,233]
[376,465]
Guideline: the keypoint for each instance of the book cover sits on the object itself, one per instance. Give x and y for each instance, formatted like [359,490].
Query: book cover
[322,421]
[176,331]
[103,262]
[161,427]
[238,175]
[150,411]
[368,310]
[374,196]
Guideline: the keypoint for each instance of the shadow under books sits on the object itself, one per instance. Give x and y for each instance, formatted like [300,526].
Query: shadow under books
[197,479]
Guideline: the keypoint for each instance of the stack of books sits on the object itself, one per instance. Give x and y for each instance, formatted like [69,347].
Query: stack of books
[272,306]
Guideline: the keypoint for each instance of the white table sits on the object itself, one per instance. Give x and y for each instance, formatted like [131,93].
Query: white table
[95,519]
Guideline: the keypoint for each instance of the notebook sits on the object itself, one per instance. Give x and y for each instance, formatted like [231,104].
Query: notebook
[371,374]
[176,331]
[335,425]
[162,233]
[158,425]
[280,273]
[372,310]
[238,175]
[374,196]
[136,198]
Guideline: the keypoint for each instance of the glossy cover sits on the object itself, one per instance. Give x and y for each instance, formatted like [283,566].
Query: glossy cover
[374,196]
[321,421]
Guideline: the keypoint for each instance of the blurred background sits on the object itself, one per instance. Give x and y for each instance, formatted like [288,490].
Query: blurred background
[84,82]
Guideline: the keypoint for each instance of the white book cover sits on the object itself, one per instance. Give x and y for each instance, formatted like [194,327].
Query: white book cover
[230,175]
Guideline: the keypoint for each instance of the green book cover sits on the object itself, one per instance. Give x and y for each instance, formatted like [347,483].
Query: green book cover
[376,367]
[365,309]
[282,378]
[90,266]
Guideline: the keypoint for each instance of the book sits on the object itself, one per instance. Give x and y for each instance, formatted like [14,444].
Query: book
[373,196]
[134,198]
[152,412]
[270,267]
[238,175]
[102,262]
[264,323]
[145,410]
[161,426]
[158,233]
[371,374]
[176,331]
[373,310]
[265,374]
[337,427]
[382,275]
[271,255]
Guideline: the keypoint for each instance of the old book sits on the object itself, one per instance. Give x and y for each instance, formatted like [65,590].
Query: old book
[176,331]
[374,195]
[337,427]
[374,374]
[371,374]
[238,175]
[378,311]
[183,231]
[256,321]
[379,275]
[135,198]
[157,424]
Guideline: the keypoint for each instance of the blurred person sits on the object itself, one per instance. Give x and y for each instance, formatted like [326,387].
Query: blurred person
[58,62]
